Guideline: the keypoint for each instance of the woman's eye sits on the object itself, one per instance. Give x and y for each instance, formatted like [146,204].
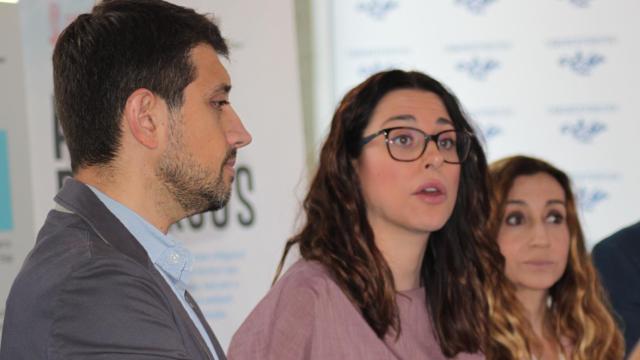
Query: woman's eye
[555,218]
[402,140]
[514,219]
[446,144]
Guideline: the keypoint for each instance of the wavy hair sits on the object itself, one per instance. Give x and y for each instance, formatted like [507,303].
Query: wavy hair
[460,259]
[580,311]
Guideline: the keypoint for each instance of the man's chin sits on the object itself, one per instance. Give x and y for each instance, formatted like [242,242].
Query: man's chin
[217,204]
[211,207]
[214,207]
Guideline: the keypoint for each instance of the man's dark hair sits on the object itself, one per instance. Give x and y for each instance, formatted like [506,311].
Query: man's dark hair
[121,46]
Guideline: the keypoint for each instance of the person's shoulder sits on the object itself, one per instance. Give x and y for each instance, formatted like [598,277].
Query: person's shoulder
[66,244]
[62,243]
[283,323]
[307,275]
[68,254]
[295,297]
[626,239]
[306,268]
[70,274]
[629,233]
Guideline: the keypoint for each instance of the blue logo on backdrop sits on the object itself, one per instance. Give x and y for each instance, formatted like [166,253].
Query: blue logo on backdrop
[377,9]
[475,6]
[478,59]
[580,3]
[490,120]
[489,131]
[581,63]
[588,199]
[583,131]
[478,69]
[583,122]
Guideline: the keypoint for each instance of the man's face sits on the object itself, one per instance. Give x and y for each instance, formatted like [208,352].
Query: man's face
[197,167]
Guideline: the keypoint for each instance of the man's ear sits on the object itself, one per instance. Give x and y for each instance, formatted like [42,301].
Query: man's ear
[144,117]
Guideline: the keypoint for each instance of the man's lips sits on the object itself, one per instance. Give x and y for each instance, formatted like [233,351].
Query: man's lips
[230,159]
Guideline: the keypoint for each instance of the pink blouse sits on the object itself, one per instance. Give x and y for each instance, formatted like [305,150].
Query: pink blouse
[307,316]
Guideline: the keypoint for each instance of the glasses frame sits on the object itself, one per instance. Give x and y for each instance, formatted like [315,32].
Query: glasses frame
[427,137]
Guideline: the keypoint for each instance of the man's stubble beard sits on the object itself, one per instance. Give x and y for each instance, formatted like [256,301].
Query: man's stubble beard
[195,188]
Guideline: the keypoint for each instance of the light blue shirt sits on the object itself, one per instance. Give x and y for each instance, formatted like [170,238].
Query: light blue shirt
[173,261]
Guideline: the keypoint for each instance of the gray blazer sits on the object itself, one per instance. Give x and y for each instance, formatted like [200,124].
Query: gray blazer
[88,290]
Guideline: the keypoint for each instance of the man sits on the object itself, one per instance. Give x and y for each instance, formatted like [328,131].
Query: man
[617,259]
[143,102]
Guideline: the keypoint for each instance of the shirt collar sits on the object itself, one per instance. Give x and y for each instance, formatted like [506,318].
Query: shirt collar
[165,252]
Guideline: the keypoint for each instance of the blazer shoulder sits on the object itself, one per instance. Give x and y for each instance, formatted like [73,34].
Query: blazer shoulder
[626,240]
[67,252]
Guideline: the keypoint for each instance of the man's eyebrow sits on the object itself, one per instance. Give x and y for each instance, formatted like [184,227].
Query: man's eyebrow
[223,88]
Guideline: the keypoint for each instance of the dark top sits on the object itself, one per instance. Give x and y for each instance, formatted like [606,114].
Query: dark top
[617,259]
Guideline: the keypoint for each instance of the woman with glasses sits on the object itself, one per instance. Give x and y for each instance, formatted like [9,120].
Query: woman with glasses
[561,307]
[395,261]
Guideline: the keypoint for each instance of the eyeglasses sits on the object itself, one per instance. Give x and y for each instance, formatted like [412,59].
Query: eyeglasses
[408,144]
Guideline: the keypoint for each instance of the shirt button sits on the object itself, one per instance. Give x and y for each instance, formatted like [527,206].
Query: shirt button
[174,258]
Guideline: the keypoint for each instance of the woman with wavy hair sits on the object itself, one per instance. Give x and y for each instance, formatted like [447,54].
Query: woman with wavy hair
[565,311]
[395,258]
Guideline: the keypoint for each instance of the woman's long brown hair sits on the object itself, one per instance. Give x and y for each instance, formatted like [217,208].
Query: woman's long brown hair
[460,260]
[580,312]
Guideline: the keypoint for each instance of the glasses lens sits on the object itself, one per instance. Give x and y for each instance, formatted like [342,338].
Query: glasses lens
[454,146]
[405,144]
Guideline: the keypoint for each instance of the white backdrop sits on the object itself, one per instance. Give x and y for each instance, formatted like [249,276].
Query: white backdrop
[555,79]
[237,248]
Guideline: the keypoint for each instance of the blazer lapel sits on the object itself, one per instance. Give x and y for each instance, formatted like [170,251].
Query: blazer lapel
[212,337]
